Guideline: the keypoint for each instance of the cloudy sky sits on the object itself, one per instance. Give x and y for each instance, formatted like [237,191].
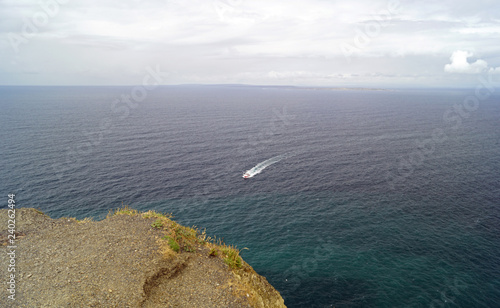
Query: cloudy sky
[295,42]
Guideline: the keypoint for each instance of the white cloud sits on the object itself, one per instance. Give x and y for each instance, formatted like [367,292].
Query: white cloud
[495,70]
[481,29]
[459,64]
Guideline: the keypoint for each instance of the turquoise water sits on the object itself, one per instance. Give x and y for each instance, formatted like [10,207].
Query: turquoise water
[364,250]
[344,220]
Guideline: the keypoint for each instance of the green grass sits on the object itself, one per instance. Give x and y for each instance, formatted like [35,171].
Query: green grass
[125,210]
[172,243]
[158,224]
[188,247]
[213,252]
[186,237]
[179,238]
[231,256]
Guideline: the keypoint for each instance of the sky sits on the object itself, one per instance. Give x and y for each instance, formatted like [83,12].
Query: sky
[360,43]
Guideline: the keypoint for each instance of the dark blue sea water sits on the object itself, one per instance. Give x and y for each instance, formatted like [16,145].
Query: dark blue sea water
[385,199]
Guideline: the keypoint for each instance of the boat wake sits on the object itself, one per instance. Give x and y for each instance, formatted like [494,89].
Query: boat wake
[263,165]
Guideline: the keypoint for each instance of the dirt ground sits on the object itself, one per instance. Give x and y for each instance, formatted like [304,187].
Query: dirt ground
[118,262]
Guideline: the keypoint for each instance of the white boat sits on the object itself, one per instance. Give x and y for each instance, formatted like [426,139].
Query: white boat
[246,175]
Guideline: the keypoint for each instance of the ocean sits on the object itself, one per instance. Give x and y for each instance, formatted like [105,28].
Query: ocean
[373,198]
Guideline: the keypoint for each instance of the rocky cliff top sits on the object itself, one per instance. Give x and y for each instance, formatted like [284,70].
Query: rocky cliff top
[129,259]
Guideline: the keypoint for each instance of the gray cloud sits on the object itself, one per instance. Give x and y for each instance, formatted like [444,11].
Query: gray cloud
[313,42]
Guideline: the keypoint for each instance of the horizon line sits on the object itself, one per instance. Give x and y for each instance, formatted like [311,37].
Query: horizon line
[360,87]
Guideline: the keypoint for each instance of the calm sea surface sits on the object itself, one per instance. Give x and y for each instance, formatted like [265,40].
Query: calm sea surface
[384,199]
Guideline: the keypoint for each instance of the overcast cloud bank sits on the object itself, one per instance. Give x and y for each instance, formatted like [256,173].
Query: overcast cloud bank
[314,42]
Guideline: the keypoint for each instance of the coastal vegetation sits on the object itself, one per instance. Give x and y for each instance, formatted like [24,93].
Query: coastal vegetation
[178,238]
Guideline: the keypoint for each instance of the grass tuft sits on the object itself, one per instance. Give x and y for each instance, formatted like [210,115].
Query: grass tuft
[125,210]
[229,253]
[231,256]
[158,224]
[86,220]
[172,243]
[185,238]
[213,252]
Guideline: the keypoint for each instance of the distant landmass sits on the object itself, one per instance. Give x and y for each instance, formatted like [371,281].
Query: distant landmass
[316,88]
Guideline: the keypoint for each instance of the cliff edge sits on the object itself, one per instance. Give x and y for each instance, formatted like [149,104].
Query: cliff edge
[129,259]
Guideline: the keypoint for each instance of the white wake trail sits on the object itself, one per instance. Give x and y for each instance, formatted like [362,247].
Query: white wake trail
[263,165]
